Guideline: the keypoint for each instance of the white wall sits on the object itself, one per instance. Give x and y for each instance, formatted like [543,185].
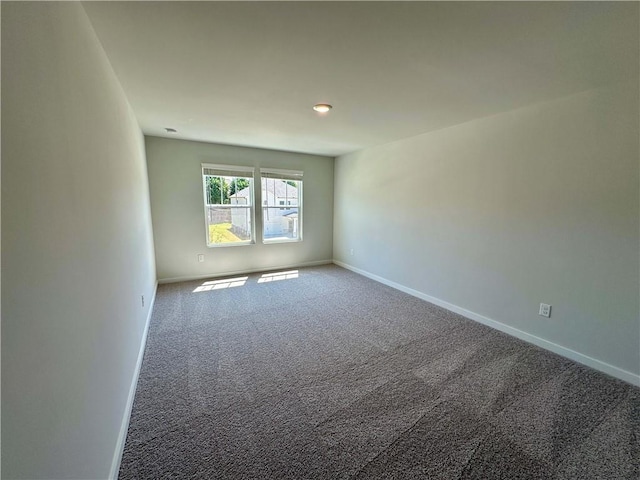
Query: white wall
[536,205]
[77,247]
[175,182]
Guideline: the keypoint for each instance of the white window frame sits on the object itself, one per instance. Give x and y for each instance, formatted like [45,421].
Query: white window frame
[280,174]
[217,170]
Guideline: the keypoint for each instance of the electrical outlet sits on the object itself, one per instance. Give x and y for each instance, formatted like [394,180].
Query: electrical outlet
[142,296]
[200,257]
[545,310]
[351,252]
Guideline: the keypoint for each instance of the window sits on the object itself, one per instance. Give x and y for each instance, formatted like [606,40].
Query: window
[228,204]
[282,205]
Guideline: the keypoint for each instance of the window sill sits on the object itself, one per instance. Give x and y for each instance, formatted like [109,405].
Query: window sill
[226,245]
[288,240]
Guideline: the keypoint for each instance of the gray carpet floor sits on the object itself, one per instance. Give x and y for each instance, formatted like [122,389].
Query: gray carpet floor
[325,374]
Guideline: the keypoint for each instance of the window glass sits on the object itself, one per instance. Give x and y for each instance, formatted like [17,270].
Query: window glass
[228,204]
[282,205]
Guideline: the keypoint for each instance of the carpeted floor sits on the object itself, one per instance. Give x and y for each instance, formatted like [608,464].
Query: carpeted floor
[324,374]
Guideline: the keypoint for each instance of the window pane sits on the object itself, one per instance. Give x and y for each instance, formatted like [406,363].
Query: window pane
[281,223]
[228,225]
[227,190]
[280,192]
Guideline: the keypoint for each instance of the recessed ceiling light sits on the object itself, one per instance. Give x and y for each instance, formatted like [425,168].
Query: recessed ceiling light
[322,107]
[171,130]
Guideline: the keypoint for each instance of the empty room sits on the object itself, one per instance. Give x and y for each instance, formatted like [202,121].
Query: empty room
[320,240]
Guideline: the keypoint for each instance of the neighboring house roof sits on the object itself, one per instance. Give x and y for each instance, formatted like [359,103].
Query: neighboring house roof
[276,187]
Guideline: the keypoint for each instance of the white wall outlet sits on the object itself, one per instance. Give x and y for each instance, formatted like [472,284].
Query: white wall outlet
[142,297]
[200,257]
[351,252]
[545,310]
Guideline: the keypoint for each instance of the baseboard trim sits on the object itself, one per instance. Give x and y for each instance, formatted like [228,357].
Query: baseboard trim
[242,272]
[124,427]
[599,365]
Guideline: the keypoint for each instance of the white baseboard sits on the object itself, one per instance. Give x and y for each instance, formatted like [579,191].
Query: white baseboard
[527,337]
[124,426]
[242,272]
